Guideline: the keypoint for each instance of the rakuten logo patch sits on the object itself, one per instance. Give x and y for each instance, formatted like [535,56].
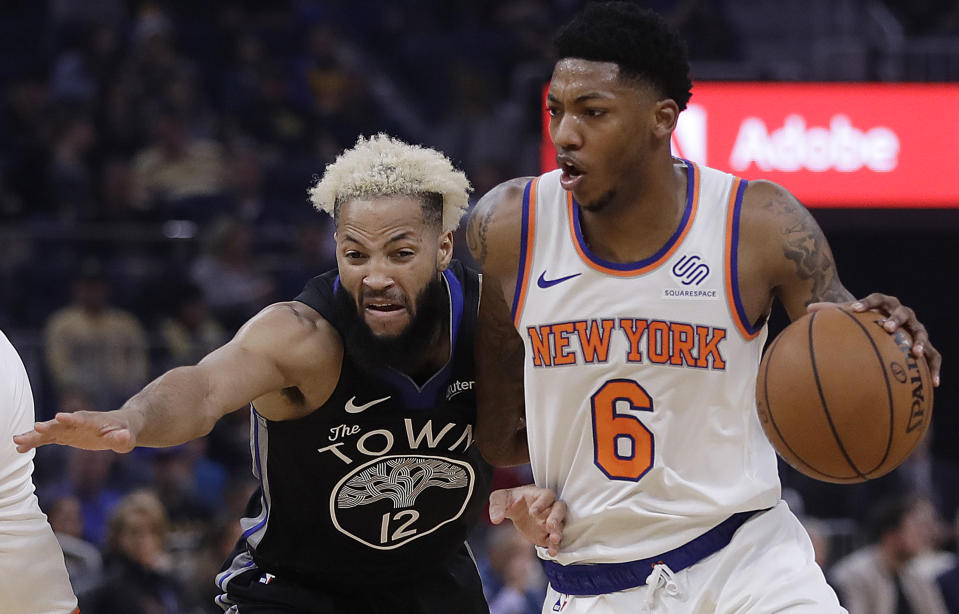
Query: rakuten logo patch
[793,147]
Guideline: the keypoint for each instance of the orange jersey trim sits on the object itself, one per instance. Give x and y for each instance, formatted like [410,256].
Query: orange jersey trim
[633,269]
[733,299]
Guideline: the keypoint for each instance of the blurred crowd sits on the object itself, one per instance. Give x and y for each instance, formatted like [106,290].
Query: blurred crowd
[154,160]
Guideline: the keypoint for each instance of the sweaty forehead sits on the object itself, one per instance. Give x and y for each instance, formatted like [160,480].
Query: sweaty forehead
[576,77]
[368,218]
[577,72]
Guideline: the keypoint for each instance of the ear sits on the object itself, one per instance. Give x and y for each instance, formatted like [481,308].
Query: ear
[666,112]
[444,251]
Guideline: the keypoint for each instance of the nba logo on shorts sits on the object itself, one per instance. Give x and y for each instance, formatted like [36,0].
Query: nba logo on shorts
[689,137]
[561,602]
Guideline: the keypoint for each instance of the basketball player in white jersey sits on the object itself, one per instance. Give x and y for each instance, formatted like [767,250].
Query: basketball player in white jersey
[33,577]
[630,290]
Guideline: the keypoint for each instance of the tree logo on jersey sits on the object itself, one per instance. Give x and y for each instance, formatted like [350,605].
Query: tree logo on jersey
[401,480]
[393,500]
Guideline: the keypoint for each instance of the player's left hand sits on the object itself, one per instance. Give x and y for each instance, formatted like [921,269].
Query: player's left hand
[897,316]
[535,511]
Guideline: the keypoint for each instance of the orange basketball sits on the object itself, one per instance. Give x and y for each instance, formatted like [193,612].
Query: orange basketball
[840,398]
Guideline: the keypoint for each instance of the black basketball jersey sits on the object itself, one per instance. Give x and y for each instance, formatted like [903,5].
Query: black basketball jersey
[381,482]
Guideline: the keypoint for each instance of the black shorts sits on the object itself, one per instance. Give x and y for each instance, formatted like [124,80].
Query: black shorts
[453,589]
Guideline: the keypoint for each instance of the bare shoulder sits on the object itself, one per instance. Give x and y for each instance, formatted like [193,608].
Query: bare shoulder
[494,227]
[780,234]
[773,219]
[292,333]
[766,202]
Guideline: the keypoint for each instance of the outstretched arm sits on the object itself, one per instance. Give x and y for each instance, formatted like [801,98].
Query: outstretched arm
[493,235]
[801,270]
[267,354]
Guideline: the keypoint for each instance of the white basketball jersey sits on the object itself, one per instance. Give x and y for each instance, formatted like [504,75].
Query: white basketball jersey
[640,378]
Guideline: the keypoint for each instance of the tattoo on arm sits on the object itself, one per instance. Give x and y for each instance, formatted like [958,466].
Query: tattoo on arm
[476,230]
[805,245]
[480,219]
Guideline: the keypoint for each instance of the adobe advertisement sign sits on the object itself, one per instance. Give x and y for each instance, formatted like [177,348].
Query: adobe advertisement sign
[831,145]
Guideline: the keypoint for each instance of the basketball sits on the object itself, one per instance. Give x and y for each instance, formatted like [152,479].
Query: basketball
[840,398]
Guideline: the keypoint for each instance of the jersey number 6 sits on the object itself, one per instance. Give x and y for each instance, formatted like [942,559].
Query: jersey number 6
[622,446]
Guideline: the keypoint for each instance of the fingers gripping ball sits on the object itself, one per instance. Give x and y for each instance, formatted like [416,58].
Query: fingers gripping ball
[840,398]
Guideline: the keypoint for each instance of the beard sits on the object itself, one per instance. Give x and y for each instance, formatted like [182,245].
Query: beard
[600,203]
[405,350]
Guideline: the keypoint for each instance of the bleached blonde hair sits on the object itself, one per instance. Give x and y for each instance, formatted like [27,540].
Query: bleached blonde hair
[384,166]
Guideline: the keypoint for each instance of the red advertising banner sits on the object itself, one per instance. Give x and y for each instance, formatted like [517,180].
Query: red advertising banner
[831,145]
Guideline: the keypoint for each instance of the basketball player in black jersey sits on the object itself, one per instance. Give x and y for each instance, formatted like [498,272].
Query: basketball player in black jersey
[362,409]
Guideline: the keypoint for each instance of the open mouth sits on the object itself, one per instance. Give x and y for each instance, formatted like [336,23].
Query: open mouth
[571,176]
[383,307]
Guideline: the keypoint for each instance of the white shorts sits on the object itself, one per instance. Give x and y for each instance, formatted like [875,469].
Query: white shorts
[767,567]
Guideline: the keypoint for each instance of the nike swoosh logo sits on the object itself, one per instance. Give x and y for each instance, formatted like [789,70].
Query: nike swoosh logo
[352,408]
[544,283]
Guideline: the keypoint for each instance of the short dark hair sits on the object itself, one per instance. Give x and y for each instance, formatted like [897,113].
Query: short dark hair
[638,40]
[889,513]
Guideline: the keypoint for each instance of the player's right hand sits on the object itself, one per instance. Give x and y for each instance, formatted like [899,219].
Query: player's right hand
[91,430]
[535,511]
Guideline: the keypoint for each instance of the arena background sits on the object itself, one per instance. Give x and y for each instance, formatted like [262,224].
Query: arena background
[256,97]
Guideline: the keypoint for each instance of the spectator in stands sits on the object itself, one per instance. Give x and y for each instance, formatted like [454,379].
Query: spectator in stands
[314,251]
[229,445]
[84,563]
[189,332]
[206,561]
[121,115]
[936,558]
[94,346]
[155,60]
[242,82]
[189,486]
[245,181]
[227,273]
[116,189]
[25,147]
[819,536]
[512,579]
[71,173]
[138,576]
[177,174]
[81,70]
[878,579]
[948,580]
[88,480]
